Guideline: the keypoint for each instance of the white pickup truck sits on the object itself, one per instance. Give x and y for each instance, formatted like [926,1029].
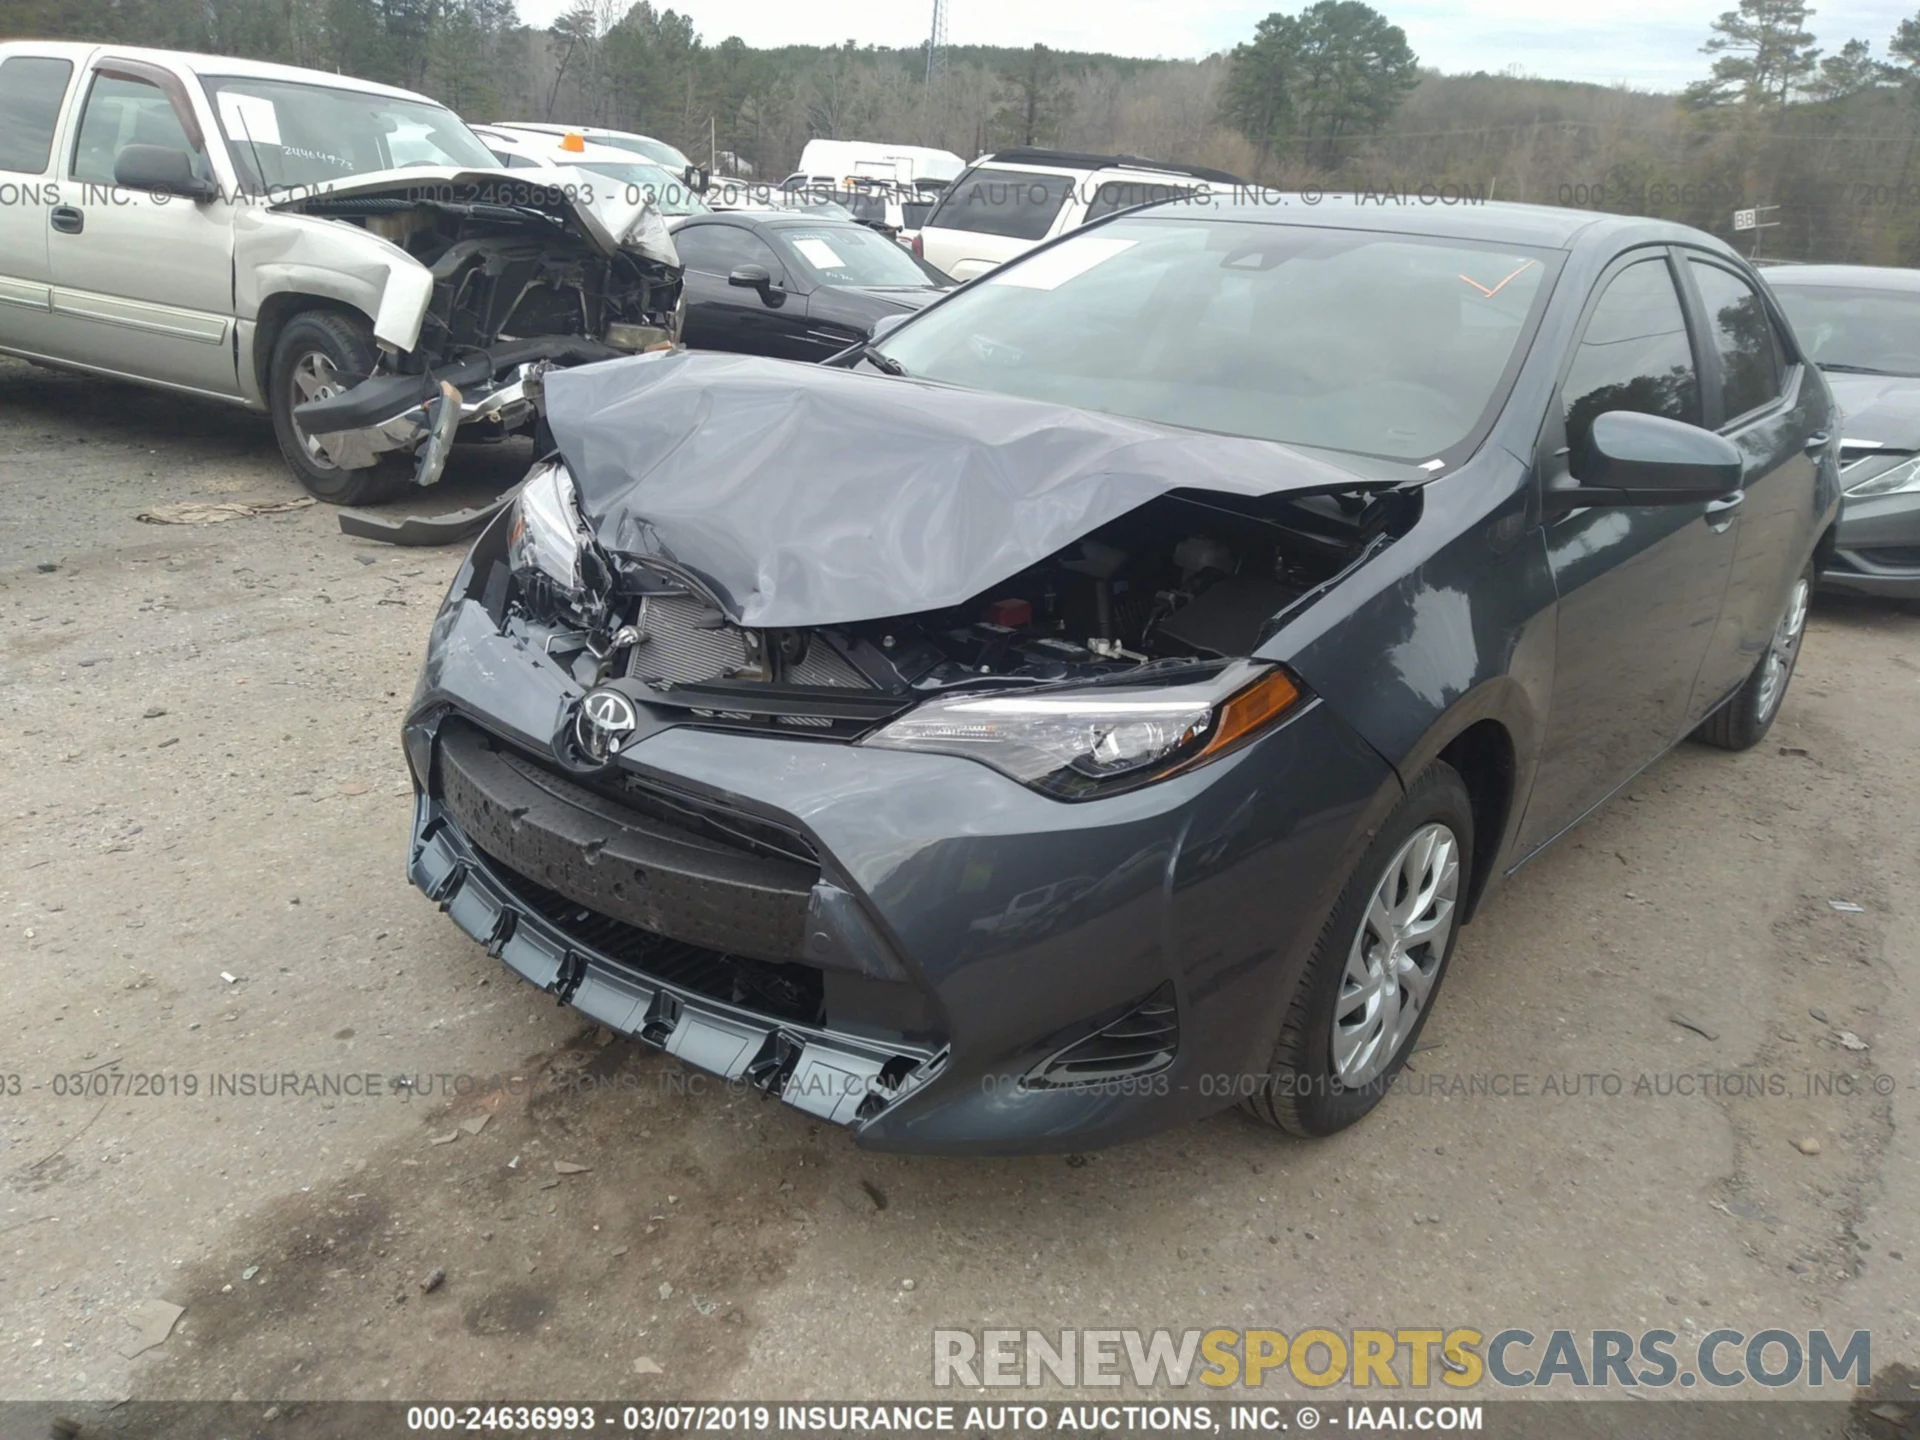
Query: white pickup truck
[346,256]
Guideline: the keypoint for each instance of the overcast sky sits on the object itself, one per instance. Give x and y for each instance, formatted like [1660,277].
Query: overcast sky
[1650,44]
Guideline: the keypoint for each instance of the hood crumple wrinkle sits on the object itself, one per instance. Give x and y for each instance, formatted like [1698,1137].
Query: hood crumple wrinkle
[808,495]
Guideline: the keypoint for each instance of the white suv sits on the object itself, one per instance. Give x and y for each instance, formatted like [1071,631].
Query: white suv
[1004,204]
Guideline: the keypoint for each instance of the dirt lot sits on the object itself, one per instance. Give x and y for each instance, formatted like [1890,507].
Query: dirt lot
[205,812]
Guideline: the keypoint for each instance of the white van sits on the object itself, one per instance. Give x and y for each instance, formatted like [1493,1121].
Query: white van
[833,163]
[1008,202]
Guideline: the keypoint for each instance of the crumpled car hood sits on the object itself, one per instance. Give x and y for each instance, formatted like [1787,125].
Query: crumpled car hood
[810,495]
[601,223]
[1881,408]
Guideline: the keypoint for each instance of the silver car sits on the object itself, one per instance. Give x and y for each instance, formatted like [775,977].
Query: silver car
[344,255]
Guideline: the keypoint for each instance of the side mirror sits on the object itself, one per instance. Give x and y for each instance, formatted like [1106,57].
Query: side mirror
[697,179]
[1638,459]
[755,277]
[887,324]
[159,169]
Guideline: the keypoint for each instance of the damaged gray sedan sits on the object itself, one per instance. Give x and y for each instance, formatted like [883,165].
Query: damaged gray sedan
[1105,696]
[344,255]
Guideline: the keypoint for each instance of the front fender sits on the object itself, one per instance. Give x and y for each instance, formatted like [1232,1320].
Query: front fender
[277,253]
[1450,625]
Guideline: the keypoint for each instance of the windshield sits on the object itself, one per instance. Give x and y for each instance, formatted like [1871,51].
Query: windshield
[853,255]
[1380,344]
[1873,330]
[285,134]
[670,193]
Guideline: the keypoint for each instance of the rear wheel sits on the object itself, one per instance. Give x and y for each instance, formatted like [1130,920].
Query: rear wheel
[1749,714]
[1376,969]
[321,353]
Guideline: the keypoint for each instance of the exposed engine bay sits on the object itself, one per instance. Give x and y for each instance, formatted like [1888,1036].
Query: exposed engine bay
[1191,576]
[503,273]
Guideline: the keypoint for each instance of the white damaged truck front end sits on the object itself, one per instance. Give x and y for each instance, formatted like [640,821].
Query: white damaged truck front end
[475,283]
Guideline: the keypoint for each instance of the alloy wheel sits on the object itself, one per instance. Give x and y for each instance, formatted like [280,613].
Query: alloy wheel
[1778,664]
[314,377]
[1396,955]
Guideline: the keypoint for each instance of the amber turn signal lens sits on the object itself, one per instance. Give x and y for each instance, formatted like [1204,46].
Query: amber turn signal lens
[574,144]
[1247,712]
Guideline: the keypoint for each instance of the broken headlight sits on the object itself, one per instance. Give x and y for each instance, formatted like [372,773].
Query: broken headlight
[1076,742]
[548,551]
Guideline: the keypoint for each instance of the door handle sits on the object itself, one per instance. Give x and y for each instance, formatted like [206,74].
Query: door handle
[67,220]
[1720,513]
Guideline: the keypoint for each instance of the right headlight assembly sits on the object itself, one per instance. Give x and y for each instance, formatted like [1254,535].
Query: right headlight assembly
[1076,742]
[1899,480]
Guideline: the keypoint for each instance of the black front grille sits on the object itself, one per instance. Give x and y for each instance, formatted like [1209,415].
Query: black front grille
[1140,1042]
[782,992]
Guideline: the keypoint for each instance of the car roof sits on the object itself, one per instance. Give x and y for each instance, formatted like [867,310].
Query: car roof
[222,65]
[546,127]
[1026,155]
[1445,217]
[1853,277]
[589,153]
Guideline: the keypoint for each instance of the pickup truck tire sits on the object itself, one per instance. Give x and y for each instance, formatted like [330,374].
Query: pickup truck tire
[322,352]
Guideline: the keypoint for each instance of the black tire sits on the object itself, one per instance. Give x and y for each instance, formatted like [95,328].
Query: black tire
[1743,721]
[1302,1092]
[346,344]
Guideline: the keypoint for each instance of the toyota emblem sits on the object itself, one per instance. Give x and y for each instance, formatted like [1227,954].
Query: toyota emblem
[606,719]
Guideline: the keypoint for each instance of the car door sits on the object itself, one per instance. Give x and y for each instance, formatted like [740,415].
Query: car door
[1763,398]
[724,316]
[32,89]
[1640,587]
[143,284]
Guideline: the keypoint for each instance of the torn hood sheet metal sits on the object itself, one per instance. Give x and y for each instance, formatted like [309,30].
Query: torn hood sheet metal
[809,495]
[549,191]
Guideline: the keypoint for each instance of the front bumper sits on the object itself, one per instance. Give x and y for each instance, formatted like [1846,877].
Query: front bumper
[960,931]
[1877,547]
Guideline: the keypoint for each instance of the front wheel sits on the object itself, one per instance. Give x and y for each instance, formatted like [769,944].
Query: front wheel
[321,353]
[1741,723]
[1377,966]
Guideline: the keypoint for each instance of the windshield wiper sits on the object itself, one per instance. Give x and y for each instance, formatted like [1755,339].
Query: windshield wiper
[1840,369]
[884,363]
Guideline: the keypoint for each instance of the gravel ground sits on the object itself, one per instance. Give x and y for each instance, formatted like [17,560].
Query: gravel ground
[206,812]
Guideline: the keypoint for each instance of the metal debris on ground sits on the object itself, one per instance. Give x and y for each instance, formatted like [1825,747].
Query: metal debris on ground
[215,512]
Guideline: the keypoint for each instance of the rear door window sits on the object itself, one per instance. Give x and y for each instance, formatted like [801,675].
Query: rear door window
[1017,204]
[1752,366]
[31,89]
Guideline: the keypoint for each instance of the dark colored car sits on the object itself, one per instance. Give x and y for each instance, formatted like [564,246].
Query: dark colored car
[793,286]
[1105,697]
[1861,325]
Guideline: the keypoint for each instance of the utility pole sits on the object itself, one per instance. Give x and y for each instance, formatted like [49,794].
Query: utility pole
[937,41]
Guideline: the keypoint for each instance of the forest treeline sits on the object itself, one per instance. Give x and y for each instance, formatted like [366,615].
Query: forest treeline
[1331,96]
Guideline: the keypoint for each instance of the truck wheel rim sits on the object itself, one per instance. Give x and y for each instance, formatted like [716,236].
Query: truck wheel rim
[314,378]
[1395,957]
[1778,664]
